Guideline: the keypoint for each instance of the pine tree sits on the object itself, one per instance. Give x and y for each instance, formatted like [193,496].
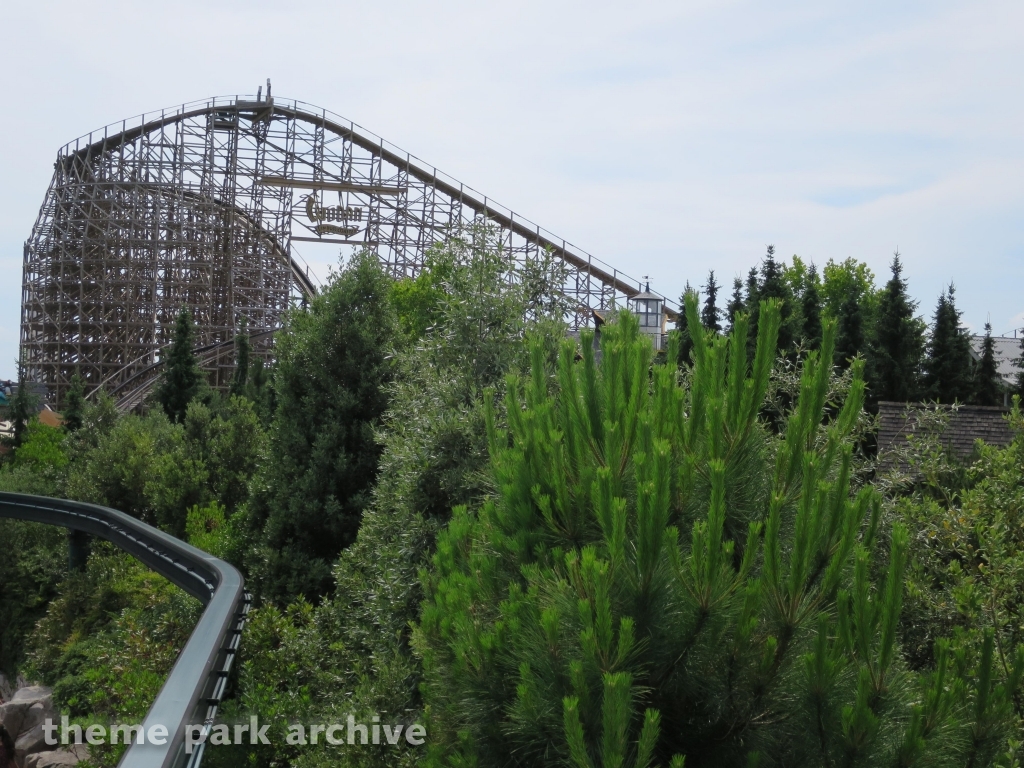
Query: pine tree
[242,350]
[74,405]
[751,300]
[654,580]
[772,286]
[947,376]
[682,331]
[182,379]
[736,303]
[258,389]
[850,341]
[988,384]
[23,407]
[810,305]
[710,314]
[896,343]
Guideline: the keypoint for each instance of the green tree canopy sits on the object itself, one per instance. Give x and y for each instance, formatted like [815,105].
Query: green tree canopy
[896,342]
[710,314]
[988,384]
[182,380]
[74,405]
[736,304]
[243,349]
[850,337]
[682,332]
[810,309]
[23,407]
[657,577]
[947,368]
[331,382]
[841,279]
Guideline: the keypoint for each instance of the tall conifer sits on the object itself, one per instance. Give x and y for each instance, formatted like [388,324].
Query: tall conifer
[23,407]
[947,376]
[74,405]
[685,344]
[736,303]
[988,384]
[772,286]
[810,305]
[710,314]
[333,370]
[896,343]
[242,350]
[182,379]
[850,341]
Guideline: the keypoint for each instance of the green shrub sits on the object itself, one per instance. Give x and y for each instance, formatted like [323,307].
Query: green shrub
[660,578]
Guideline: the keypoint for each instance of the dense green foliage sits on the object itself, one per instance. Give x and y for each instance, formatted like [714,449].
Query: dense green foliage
[988,385]
[351,652]
[182,380]
[333,370]
[22,407]
[645,562]
[657,577]
[947,367]
[74,404]
[906,360]
[242,350]
[897,345]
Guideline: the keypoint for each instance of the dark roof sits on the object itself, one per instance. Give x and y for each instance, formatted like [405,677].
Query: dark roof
[967,423]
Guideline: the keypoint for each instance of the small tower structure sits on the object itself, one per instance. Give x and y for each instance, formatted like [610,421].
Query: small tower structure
[650,309]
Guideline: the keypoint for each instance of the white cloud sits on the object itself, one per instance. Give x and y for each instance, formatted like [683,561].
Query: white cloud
[668,138]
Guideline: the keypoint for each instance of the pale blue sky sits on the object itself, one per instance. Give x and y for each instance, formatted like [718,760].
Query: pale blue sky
[666,138]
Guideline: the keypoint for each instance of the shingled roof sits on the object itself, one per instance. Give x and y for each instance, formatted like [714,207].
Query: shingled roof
[967,423]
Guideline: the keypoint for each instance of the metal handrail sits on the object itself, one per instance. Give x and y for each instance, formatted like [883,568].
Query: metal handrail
[196,684]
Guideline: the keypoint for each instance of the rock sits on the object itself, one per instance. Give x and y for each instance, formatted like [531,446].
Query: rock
[52,759]
[11,717]
[6,689]
[23,717]
[33,693]
[9,687]
[31,740]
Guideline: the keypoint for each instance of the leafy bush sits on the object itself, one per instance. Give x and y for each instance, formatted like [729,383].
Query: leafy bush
[109,639]
[966,573]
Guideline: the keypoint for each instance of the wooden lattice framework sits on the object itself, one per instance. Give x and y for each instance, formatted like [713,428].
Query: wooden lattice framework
[200,206]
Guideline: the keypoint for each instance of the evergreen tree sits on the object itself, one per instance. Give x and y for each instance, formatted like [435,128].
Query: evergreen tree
[74,405]
[988,384]
[331,380]
[710,314]
[810,305]
[773,286]
[850,341]
[751,300]
[947,376]
[242,350]
[182,379]
[682,330]
[736,303]
[896,343]
[654,580]
[259,390]
[23,408]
